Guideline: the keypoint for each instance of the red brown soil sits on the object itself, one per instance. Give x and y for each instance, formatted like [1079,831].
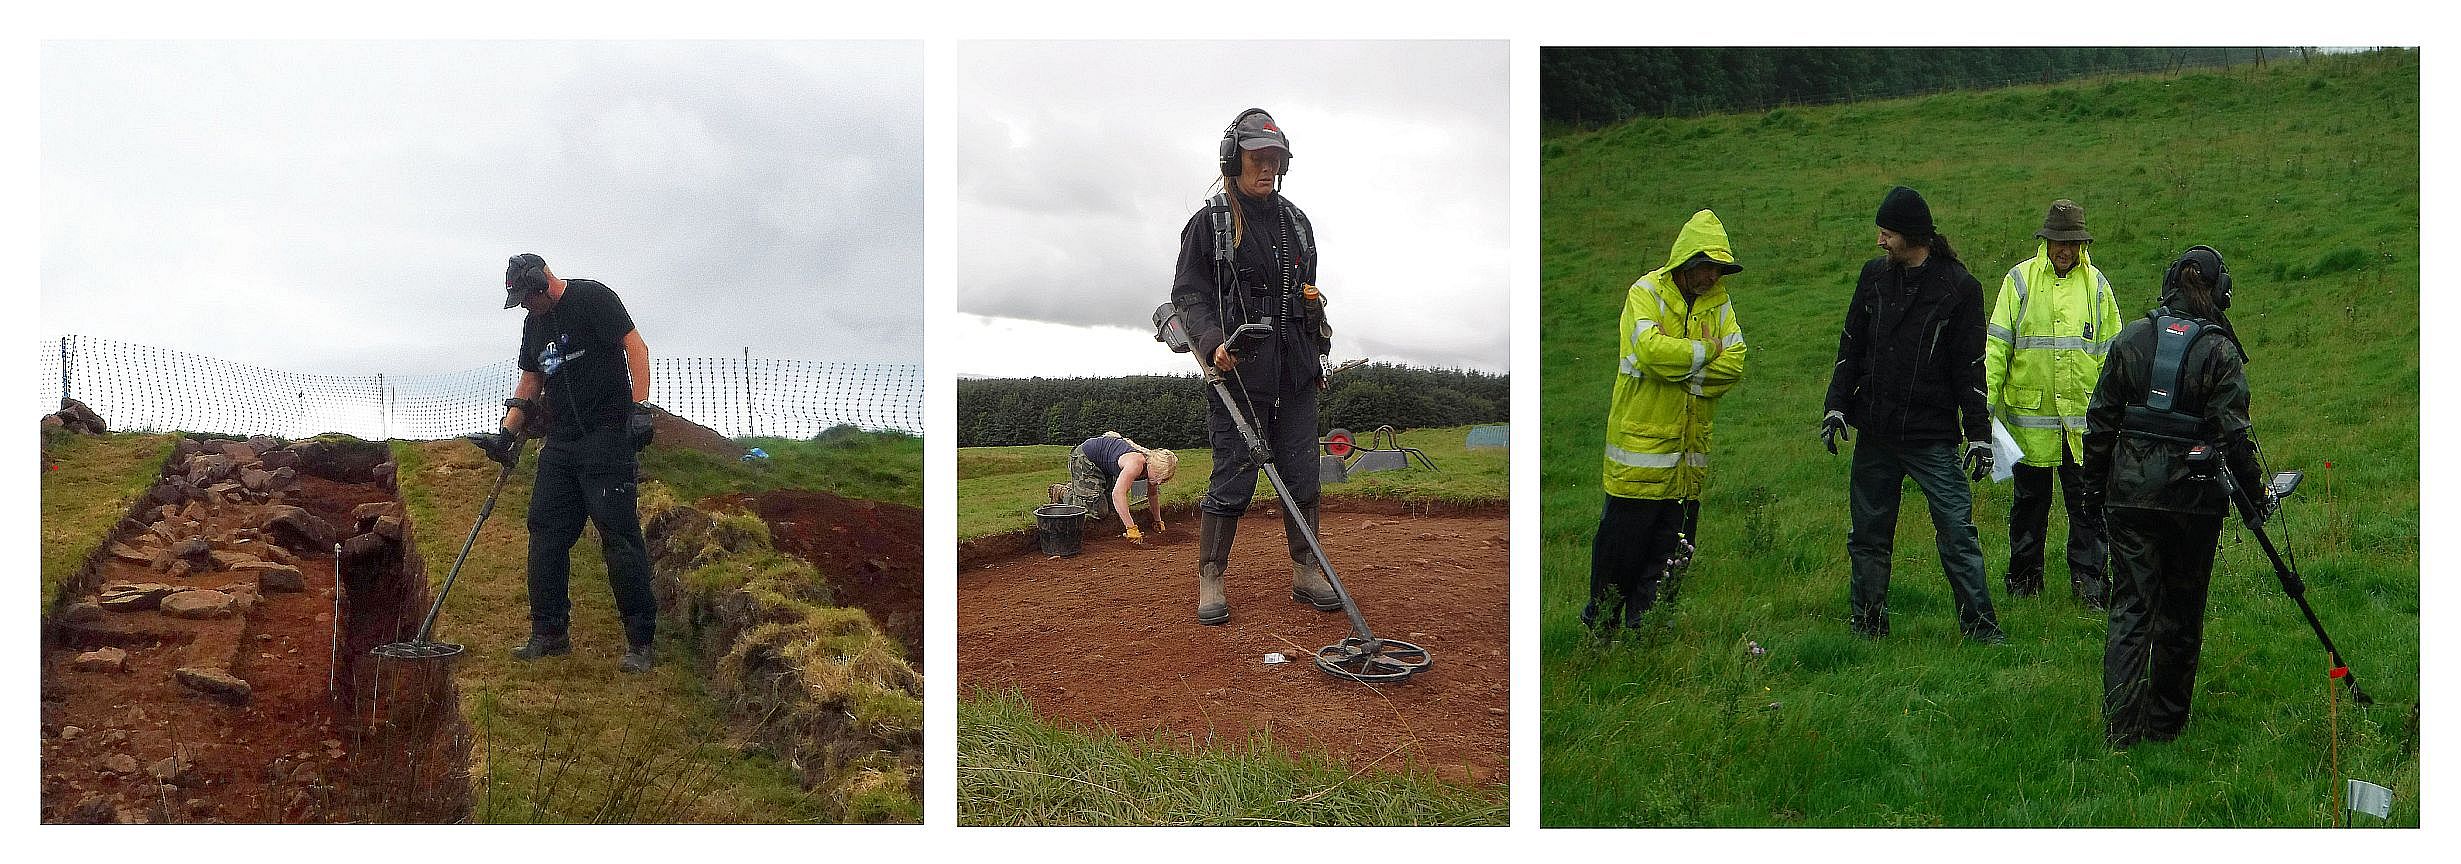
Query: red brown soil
[1108,639]
[870,552]
[283,654]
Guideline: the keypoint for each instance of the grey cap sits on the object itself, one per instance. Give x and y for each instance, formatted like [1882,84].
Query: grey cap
[1257,131]
[2065,223]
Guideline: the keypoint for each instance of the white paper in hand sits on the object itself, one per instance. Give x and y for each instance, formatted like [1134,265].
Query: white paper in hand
[2004,453]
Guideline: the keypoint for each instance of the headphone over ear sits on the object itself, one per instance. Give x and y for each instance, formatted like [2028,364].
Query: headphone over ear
[2208,261]
[1226,153]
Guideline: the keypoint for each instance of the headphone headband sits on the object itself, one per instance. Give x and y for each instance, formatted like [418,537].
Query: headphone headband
[1226,153]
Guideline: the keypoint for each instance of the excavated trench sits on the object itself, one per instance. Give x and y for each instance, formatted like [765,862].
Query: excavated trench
[1108,639]
[196,669]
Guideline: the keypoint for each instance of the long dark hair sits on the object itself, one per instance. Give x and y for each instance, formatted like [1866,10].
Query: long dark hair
[1939,246]
[2190,295]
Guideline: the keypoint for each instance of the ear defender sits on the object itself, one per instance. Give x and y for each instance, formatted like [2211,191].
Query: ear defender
[2208,261]
[1226,153]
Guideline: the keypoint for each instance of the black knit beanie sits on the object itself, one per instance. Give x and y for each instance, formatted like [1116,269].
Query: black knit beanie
[1904,212]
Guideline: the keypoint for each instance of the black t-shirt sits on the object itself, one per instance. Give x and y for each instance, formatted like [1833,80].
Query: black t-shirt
[578,346]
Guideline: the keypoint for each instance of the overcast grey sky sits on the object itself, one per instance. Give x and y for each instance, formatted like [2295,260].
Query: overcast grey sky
[1078,163]
[347,207]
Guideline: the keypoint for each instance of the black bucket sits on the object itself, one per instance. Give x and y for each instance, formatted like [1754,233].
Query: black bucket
[1061,528]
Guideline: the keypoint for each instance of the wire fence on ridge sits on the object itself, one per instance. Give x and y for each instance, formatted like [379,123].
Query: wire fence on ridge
[142,387]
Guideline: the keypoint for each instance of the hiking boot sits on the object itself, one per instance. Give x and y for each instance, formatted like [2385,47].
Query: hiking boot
[1307,580]
[1308,585]
[637,660]
[1870,623]
[2023,585]
[1214,533]
[543,645]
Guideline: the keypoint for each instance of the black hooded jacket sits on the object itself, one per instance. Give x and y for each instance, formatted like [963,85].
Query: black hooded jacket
[1909,360]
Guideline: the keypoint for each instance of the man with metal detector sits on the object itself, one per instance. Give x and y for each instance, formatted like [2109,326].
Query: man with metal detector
[584,364]
[1245,289]
[1681,351]
[1909,377]
[2167,437]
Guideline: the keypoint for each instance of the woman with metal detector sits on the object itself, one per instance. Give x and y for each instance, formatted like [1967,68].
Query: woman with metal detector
[1245,289]
[2167,439]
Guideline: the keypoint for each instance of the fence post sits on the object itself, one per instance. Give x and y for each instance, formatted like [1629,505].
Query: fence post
[65,353]
[384,417]
[747,391]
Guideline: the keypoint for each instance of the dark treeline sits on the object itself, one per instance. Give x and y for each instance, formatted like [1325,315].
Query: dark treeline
[1591,87]
[1169,410]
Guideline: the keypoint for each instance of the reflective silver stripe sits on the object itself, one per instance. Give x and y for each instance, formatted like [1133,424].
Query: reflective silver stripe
[1642,326]
[2096,347]
[1700,357]
[1622,456]
[2028,422]
[1731,341]
[2018,273]
[1628,368]
[1694,386]
[1998,332]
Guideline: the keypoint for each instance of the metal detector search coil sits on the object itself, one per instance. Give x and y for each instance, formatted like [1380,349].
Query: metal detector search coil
[416,650]
[1373,660]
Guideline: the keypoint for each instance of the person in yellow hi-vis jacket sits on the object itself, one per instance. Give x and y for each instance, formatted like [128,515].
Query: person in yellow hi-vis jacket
[2049,331]
[1681,350]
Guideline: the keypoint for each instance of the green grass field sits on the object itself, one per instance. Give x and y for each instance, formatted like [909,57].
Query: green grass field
[999,487]
[1013,768]
[879,466]
[89,482]
[2305,175]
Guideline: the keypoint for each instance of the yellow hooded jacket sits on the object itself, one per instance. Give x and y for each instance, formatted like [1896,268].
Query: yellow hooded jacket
[2047,337]
[1657,442]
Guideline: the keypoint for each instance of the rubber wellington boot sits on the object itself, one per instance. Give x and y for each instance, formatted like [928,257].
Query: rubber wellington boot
[1214,533]
[1307,582]
[543,643]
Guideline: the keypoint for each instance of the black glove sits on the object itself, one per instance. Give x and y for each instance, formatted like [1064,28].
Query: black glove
[501,446]
[1832,428]
[1978,460]
[640,427]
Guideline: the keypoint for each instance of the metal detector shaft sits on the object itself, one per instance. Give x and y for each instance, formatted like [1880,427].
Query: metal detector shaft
[1264,457]
[490,507]
[2291,583]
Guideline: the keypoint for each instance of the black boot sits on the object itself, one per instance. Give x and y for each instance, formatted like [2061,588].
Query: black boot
[544,642]
[1214,533]
[1307,580]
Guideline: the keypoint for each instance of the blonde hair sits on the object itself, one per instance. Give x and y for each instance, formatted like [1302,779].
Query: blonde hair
[1160,465]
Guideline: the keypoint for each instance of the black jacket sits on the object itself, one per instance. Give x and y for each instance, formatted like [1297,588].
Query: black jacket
[1293,355]
[1909,365]
[2150,473]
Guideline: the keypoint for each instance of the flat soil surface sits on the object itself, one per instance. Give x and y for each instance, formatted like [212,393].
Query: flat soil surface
[282,757]
[870,552]
[1108,639]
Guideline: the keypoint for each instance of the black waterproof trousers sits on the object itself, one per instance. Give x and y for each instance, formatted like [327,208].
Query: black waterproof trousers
[1874,489]
[1636,538]
[2161,566]
[1287,420]
[2029,525]
[588,478]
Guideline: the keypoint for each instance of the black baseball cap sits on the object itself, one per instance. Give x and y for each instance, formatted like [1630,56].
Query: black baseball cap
[525,274]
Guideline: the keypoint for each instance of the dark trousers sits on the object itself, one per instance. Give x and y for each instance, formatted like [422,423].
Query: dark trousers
[1636,538]
[1873,491]
[588,478]
[1287,420]
[2161,566]
[2029,525]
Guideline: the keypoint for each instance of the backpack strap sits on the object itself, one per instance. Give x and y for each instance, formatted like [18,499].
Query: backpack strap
[1219,208]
